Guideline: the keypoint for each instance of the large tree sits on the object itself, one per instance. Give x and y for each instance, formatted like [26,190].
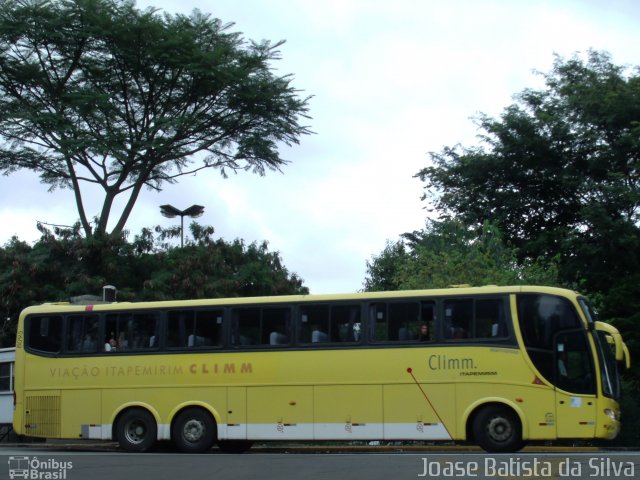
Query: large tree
[99,92]
[558,172]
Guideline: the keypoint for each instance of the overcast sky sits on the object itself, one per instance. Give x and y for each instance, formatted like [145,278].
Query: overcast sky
[391,81]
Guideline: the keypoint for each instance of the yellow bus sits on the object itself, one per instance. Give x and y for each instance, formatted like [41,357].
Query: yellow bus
[498,366]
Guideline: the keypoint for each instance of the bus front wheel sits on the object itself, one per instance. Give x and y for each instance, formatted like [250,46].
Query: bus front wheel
[193,431]
[136,430]
[497,429]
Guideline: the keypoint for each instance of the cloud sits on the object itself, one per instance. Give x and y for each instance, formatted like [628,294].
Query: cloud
[392,81]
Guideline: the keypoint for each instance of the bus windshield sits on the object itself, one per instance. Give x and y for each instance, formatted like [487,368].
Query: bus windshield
[608,366]
[606,358]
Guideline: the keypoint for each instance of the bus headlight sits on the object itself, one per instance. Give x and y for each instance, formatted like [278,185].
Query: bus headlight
[612,414]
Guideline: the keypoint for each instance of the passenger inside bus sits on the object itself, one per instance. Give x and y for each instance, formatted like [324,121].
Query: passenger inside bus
[277,338]
[458,333]
[318,336]
[110,345]
[122,341]
[89,343]
[423,334]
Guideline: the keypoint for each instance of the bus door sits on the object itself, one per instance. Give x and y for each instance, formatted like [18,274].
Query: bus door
[236,413]
[575,385]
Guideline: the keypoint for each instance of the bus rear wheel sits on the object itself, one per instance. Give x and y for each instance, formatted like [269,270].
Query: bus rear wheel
[193,431]
[497,429]
[136,430]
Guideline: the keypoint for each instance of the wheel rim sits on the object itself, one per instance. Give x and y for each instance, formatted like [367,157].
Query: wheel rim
[499,429]
[193,430]
[136,431]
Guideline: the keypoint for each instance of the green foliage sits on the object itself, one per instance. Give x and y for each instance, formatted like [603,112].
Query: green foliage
[99,92]
[449,253]
[209,269]
[64,264]
[630,433]
[559,174]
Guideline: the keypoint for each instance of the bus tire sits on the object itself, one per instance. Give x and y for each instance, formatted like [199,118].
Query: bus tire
[193,430]
[497,429]
[136,430]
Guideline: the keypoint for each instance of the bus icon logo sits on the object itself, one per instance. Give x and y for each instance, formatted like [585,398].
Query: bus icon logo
[18,467]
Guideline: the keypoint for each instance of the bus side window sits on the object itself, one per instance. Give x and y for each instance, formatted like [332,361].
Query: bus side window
[395,321]
[323,323]
[82,333]
[275,326]
[131,331]
[44,333]
[345,323]
[246,323]
[180,325]
[458,317]
[490,319]
[194,328]
[208,329]
[261,326]
[404,319]
[313,324]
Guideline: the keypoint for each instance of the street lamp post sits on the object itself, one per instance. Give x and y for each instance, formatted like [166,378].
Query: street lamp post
[170,211]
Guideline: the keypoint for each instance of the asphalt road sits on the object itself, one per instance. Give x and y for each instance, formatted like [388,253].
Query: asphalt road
[79,464]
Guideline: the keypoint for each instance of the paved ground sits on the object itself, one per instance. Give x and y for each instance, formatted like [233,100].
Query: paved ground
[278,447]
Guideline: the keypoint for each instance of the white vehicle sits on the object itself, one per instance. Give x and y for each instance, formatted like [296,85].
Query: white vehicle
[7,360]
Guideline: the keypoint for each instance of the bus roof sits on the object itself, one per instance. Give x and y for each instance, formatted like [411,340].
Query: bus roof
[237,301]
